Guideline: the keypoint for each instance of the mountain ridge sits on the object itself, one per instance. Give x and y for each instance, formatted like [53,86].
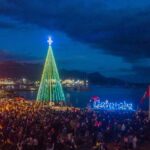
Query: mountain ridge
[33,71]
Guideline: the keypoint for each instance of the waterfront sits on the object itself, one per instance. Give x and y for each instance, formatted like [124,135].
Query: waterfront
[81,98]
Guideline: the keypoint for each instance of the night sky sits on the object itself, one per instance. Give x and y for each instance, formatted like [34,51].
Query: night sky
[108,36]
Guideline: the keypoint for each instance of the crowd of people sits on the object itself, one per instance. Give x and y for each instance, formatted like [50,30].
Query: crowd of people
[26,125]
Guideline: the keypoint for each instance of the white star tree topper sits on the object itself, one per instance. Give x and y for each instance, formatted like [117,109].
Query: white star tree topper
[50,41]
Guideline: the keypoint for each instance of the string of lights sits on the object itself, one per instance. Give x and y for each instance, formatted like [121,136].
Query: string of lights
[106,105]
[50,86]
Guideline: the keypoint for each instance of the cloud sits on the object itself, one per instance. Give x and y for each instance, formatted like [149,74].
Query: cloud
[6,55]
[142,73]
[6,25]
[120,29]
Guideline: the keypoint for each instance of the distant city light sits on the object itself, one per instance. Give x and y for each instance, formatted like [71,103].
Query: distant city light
[6,81]
[50,41]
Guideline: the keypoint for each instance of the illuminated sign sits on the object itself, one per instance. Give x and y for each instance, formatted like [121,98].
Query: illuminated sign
[106,105]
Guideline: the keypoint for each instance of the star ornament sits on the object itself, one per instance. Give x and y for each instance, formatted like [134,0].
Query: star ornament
[50,41]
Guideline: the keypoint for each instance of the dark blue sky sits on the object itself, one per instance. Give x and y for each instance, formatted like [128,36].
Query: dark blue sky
[111,37]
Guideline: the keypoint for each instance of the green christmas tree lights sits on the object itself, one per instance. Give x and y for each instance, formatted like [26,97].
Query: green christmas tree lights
[50,89]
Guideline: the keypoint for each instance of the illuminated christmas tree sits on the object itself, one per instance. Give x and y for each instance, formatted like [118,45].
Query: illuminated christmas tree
[50,89]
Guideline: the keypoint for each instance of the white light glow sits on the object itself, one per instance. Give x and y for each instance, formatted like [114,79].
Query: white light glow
[50,41]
